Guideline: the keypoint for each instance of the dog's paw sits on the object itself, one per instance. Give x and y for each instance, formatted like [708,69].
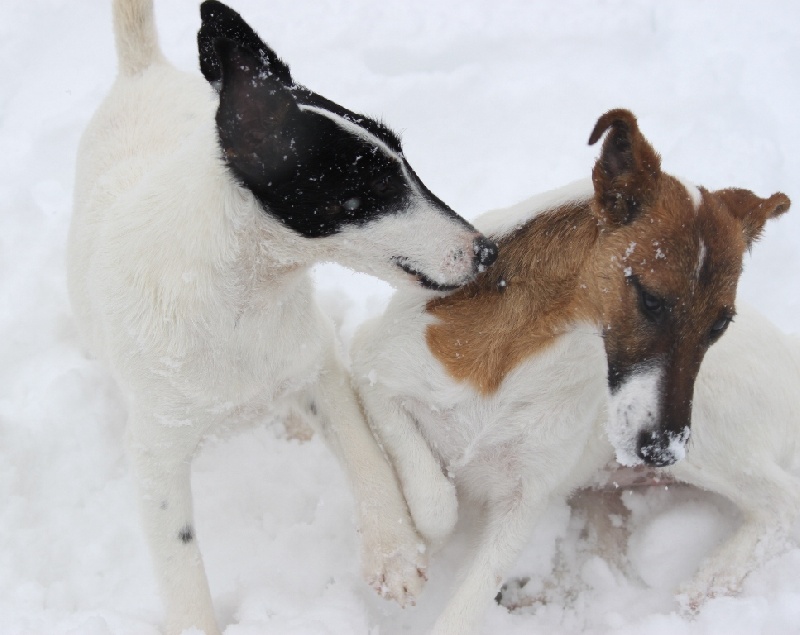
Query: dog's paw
[707,585]
[297,428]
[395,566]
[434,507]
[515,594]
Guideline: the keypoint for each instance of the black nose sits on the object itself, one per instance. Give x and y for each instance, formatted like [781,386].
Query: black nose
[654,449]
[485,252]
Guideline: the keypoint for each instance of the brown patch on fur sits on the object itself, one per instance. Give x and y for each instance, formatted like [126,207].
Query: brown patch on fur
[520,304]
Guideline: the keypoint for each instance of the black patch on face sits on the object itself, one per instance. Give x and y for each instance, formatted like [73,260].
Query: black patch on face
[620,370]
[186,534]
[616,376]
[303,167]
[219,21]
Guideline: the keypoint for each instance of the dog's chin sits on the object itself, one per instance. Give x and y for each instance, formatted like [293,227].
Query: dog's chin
[424,281]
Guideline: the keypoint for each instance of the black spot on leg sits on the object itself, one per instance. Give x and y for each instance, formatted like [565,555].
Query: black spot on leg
[186,534]
[312,407]
[164,505]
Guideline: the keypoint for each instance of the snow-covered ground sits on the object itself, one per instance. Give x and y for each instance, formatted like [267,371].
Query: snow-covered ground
[495,101]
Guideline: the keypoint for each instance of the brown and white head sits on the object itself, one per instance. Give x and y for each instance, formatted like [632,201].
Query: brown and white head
[668,262]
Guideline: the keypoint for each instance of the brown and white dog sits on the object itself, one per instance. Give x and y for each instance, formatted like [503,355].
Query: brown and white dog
[602,304]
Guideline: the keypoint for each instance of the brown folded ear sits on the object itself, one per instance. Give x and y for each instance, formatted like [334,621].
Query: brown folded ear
[753,211]
[626,172]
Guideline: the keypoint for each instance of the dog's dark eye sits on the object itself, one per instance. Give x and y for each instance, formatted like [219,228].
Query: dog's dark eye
[720,326]
[652,306]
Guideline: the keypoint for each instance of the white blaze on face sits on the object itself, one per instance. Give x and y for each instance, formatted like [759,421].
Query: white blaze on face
[701,259]
[633,408]
[695,195]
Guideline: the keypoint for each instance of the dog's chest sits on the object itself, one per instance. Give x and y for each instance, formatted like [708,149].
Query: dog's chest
[246,360]
[277,349]
[552,399]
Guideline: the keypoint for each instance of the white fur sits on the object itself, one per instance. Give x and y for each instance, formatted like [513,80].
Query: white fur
[695,195]
[701,259]
[509,452]
[632,409]
[356,130]
[745,445]
[202,306]
[542,434]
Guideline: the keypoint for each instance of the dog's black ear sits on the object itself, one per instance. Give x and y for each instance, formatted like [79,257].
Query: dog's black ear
[221,22]
[256,117]
[626,172]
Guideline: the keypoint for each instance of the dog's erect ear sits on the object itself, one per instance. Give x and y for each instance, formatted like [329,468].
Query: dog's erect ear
[221,22]
[255,116]
[627,171]
[753,211]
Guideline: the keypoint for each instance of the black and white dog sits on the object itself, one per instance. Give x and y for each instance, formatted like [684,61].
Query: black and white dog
[198,212]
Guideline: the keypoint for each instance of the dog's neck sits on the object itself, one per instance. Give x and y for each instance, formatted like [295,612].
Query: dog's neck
[540,287]
[235,255]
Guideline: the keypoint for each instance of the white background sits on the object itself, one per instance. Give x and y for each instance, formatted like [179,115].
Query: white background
[495,102]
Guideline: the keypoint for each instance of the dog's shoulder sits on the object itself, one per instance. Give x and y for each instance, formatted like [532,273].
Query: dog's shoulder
[392,345]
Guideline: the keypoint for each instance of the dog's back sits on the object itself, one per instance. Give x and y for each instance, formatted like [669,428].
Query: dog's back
[504,221]
[130,124]
[154,123]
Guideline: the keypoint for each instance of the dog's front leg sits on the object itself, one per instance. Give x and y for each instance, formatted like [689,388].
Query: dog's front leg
[161,451]
[431,496]
[393,555]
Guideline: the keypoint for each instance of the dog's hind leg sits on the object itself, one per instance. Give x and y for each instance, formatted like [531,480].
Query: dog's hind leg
[393,555]
[430,495]
[161,451]
[769,500]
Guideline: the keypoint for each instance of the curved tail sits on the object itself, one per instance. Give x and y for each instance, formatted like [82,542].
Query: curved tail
[135,35]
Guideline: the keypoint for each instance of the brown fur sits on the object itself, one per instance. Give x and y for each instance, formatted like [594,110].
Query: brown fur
[521,304]
[587,263]
[626,174]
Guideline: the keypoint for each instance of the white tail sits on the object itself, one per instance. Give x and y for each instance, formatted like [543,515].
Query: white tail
[135,34]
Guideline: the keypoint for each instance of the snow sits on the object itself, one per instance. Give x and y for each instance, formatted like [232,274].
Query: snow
[495,102]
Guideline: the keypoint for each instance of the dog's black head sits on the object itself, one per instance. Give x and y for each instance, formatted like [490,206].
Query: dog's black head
[323,170]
